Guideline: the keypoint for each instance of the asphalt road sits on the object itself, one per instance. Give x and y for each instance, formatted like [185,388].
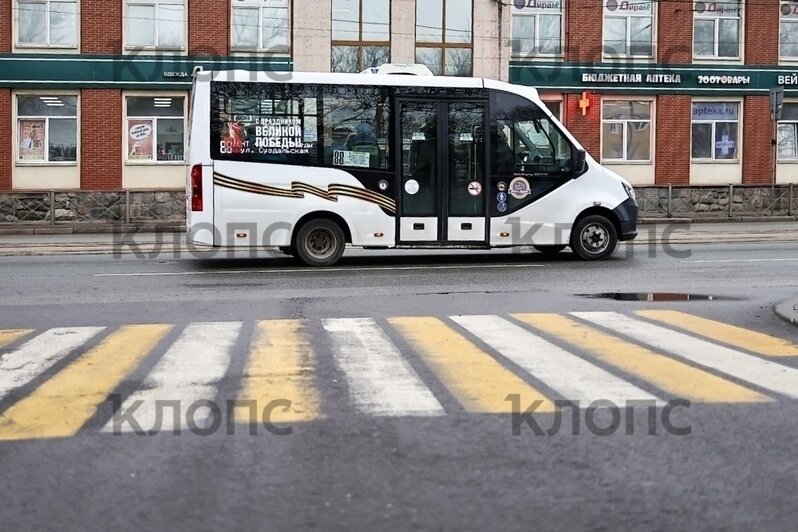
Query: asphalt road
[400,417]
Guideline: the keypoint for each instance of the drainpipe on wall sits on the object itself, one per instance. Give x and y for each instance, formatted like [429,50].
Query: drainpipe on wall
[500,3]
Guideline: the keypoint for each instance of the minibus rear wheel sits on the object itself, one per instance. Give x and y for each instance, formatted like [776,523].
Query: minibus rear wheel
[594,237]
[320,242]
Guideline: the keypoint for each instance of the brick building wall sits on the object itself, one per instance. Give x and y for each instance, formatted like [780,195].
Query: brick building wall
[583,32]
[101,139]
[761,34]
[757,135]
[672,137]
[587,128]
[101,27]
[675,33]
[209,27]
[5,26]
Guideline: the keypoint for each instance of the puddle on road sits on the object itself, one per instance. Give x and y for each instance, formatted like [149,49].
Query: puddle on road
[657,296]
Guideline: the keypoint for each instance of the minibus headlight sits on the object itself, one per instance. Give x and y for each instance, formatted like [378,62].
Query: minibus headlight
[630,191]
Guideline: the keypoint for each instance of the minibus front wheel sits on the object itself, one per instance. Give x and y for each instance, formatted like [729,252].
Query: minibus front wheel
[320,242]
[594,237]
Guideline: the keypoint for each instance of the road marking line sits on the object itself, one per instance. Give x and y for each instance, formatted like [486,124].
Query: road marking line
[10,335]
[764,373]
[476,379]
[381,382]
[673,376]
[280,367]
[572,377]
[726,261]
[62,405]
[321,271]
[40,353]
[187,373]
[754,341]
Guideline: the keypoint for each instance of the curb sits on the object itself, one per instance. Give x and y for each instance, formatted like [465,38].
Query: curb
[788,311]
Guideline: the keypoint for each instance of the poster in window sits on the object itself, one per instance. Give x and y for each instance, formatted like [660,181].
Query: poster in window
[139,140]
[31,140]
[267,136]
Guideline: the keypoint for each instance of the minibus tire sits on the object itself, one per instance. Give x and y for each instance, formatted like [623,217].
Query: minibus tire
[319,242]
[550,251]
[594,237]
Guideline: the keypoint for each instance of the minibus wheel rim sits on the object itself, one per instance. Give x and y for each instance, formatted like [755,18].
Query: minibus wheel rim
[595,238]
[321,243]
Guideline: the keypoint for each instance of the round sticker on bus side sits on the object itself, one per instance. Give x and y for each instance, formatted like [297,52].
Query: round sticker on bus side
[412,187]
[475,188]
[519,188]
[501,207]
[383,185]
[501,197]
[501,186]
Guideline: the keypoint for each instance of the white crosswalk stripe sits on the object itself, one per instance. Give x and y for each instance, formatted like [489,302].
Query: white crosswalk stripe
[187,373]
[39,354]
[764,373]
[381,381]
[572,377]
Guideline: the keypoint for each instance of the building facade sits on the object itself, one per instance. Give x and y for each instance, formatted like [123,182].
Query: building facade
[94,95]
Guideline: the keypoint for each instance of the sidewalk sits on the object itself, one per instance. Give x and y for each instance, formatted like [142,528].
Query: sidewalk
[173,241]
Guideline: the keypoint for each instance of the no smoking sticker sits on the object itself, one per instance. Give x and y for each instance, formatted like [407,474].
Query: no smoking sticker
[475,188]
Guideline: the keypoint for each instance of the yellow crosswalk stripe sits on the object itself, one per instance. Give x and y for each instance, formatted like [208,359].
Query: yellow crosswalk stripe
[475,378]
[753,341]
[280,367]
[680,379]
[10,335]
[62,405]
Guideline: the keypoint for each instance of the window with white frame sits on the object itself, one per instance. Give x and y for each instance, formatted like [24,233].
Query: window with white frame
[629,28]
[47,128]
[444,36]
[715,130]
[154,129]
[716,29]
[626,130]
[261,25]
[788,133]
[47,23]
[788,31]
[156,24]
[537,28]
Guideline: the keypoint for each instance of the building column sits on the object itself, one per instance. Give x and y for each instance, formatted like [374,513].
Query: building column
[101,27]
[101,139]
[583,32]
[756,137]
[403,31]
[312,35]
[209,27]
[6,149]
[672,138]
[586,128]
[485,39]
[761,33]
[674,33]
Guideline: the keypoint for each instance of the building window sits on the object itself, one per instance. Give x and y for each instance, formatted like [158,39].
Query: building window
[361,34]
[788,133]
[537,28]
[788,31]
[628,28]
[47,128]
[156,24]
[443,36]
[715,130]
[261,25]
[154,129]
[47,23]
[716,29]
[626,130]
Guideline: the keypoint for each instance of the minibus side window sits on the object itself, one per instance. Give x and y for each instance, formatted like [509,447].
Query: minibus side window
[526,147]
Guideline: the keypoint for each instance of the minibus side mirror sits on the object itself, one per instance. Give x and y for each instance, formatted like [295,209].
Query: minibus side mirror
[580,162]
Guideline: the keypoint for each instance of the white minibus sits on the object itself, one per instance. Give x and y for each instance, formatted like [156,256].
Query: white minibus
[313,162]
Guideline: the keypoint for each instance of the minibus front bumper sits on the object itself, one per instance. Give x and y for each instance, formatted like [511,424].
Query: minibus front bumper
[627,213]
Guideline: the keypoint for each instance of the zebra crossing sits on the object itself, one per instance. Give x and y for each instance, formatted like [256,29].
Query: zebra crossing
[54,382]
